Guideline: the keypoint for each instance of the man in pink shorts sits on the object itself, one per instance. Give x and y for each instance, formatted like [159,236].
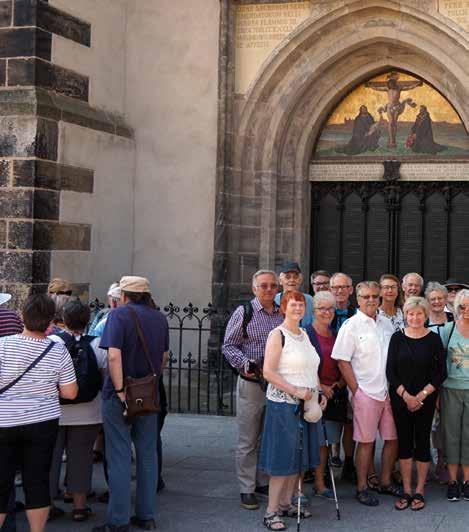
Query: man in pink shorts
[362,349]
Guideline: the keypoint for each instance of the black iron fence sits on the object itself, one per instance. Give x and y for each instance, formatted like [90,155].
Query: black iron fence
[197,379]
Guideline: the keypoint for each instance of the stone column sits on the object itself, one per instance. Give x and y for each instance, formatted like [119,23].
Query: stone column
[36,96]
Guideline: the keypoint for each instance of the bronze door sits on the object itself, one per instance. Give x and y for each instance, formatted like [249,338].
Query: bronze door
[369,228]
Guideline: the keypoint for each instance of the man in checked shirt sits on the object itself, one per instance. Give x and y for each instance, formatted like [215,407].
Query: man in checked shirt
[242,351]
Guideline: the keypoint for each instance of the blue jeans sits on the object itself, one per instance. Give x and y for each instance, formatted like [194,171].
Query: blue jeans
[143,432]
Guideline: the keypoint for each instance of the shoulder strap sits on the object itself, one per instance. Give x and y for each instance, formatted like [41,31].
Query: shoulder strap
[450,334]
[29,368]
[282,336]
[247,317]
[142,338]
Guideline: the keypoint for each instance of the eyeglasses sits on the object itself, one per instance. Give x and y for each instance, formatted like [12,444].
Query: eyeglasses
[266,286]
[325,309]
[341,287]
[321,284]
[453,288]
[369,296]
[389,287]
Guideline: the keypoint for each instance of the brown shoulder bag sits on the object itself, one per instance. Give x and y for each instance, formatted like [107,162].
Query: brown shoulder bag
[141,395]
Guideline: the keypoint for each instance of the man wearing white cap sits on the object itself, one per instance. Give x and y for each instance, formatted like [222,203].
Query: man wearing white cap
[126,358]
[114,298]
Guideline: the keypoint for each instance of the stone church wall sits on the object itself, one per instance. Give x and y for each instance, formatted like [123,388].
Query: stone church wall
[171,102]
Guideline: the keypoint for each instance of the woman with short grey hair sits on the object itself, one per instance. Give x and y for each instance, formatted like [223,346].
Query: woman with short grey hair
[322,337]
[415,370]
[437,297]
[455,397]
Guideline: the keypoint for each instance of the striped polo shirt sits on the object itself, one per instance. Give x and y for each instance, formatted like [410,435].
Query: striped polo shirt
[10,322]
[35,397]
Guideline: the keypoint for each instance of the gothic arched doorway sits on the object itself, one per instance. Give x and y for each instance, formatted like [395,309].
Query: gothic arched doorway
[366,219]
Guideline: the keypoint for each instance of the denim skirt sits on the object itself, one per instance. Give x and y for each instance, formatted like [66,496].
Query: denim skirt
[279,453]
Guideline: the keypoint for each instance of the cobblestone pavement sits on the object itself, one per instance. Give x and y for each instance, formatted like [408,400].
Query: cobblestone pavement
[201,492]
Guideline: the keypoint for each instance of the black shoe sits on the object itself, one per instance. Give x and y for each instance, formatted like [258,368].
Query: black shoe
[454,492]
[161,485]
[309,477]
[144,524]
[262,490]
[249,501]
[465,490]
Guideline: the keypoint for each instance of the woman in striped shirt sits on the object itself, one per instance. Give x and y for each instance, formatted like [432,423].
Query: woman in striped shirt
[33,373]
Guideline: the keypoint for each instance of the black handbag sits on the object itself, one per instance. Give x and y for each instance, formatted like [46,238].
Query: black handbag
[336,409]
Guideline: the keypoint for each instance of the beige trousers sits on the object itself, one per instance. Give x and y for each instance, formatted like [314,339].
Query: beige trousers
[250,406]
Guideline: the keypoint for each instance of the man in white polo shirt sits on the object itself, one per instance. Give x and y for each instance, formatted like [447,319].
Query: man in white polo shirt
[362,349]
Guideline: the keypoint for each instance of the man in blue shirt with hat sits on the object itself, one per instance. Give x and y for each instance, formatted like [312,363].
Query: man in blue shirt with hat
[290,279]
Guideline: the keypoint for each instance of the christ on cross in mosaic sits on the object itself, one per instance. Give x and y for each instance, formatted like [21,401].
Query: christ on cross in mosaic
[394,108]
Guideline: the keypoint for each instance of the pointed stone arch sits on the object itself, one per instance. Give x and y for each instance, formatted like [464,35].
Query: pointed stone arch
[279,120]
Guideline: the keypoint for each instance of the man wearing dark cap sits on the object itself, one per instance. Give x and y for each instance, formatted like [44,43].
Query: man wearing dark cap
[453,286]
[290,279]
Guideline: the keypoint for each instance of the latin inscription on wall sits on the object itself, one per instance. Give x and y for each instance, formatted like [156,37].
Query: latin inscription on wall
[456,10]
[259,29]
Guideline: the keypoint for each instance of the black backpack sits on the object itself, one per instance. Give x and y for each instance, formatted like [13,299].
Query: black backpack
[89,377]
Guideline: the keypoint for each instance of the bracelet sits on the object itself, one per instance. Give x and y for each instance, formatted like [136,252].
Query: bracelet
[120,391]
[424,392]
[402,394]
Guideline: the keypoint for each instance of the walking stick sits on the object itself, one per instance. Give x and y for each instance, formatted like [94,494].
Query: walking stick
[331,472]
[301,412]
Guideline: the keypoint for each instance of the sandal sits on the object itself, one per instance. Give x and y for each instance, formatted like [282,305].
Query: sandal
[419,499]
[372,482]
[403,502]
[81,514]
[366,498]
[292,511]
[272,521]
[391,489]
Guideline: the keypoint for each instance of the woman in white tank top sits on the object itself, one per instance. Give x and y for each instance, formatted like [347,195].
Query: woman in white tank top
[291,368]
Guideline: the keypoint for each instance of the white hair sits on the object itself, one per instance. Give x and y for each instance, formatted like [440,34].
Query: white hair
[336,274]
[462,294]
[435,287]
[323,296]
[263,272]
[407,275]
[372,285]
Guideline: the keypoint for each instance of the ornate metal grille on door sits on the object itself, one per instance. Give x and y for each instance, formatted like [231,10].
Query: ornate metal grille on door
[369,228]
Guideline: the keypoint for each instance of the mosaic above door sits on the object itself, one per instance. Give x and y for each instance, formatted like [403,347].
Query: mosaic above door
[394,115]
